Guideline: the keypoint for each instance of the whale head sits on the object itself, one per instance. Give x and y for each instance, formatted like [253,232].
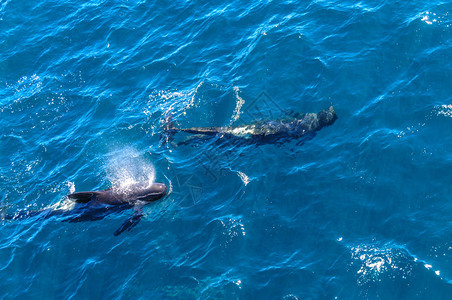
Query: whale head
[150,192]
[327,117]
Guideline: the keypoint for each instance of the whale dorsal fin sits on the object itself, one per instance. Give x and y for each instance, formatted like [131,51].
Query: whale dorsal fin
[82,197]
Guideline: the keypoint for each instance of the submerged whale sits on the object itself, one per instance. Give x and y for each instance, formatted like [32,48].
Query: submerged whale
[264,131]
[95,205]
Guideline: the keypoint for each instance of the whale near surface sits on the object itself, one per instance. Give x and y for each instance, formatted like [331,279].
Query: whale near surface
[95,205]
[264,131]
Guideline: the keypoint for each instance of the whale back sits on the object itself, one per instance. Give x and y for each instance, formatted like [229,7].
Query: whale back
[142,191]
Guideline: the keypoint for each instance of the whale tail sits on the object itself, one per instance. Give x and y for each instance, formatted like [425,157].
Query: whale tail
[168,130]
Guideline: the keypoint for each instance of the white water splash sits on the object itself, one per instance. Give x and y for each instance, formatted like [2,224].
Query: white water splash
[373,261]
[245,179]
[444,110]
[71,186]
[429,18]
[127,167]
[238,105]
[233,227]
[172,102]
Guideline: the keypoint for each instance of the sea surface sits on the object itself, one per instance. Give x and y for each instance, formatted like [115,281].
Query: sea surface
[363,210]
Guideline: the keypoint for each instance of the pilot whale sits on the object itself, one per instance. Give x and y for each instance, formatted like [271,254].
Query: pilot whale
[264,131]
[95,205]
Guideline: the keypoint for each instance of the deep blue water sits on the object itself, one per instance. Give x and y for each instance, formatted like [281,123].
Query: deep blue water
[361,211]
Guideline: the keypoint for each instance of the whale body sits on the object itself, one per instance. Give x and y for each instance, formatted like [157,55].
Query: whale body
[95,205]
[265,131]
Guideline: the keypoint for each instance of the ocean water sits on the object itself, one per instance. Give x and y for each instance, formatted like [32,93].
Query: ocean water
[361,211]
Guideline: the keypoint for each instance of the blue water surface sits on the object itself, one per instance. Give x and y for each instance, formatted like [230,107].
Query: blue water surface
[360,211]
